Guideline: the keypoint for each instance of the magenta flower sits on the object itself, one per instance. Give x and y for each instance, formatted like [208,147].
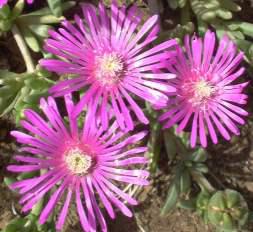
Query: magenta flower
[206,98]
[4,2]
[81,165]
[105,52]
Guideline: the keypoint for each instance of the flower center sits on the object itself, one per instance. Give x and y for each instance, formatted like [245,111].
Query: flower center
[77,161]
[203,90]
[108,68]
[198,93]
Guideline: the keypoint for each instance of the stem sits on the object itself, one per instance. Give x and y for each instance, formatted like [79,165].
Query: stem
[23,49]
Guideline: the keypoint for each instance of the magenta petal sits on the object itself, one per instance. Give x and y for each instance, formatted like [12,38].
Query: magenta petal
[194,130]
[90,211]
[51,203]
[98,212]
[82,215]
[64,211]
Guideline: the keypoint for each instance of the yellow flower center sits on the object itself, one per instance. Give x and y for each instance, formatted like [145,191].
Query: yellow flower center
[203,90]
[78,162]
[108,68]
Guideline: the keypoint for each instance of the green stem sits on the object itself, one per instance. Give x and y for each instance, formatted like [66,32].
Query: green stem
[23,49]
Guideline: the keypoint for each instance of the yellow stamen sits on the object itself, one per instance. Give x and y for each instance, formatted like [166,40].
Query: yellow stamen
[78,162]
[108,68]
[203,89]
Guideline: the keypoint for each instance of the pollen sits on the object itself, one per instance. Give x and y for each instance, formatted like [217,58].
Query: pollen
[203,90]
[78,162]
[108,68]
[199,93]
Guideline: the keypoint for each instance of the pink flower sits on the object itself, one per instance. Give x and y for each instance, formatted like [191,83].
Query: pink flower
[4,2]
[79,164]
[105,52]
[206,97]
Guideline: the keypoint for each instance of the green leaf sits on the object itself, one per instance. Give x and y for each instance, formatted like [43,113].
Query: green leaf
[40,30]
[233,198]
[227,222]
[199,8]
[218,201]
[185,181]
[9,180]
[5,25]
[55,6]
[247,28]
[37,83]
[170,144]
[238,35]
[5,12]
[26,175]
[21,91]
[5,74]
[224,14]
[7,90]
[212,5]
[30,19]
[182,3]
[230,5]
[250,52]
[9,105]
[171,199]
[233,25]
[18,9]
[16,225]
[198,156]
[199,167]
[187,204]
[67,5]
[30,39]
[216,207]
[34,96]
[202,201]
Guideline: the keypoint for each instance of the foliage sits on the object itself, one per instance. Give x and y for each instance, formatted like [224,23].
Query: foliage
[20,91]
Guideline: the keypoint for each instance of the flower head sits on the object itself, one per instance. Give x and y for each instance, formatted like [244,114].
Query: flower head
[108,55]
[207,99]
[77,165]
